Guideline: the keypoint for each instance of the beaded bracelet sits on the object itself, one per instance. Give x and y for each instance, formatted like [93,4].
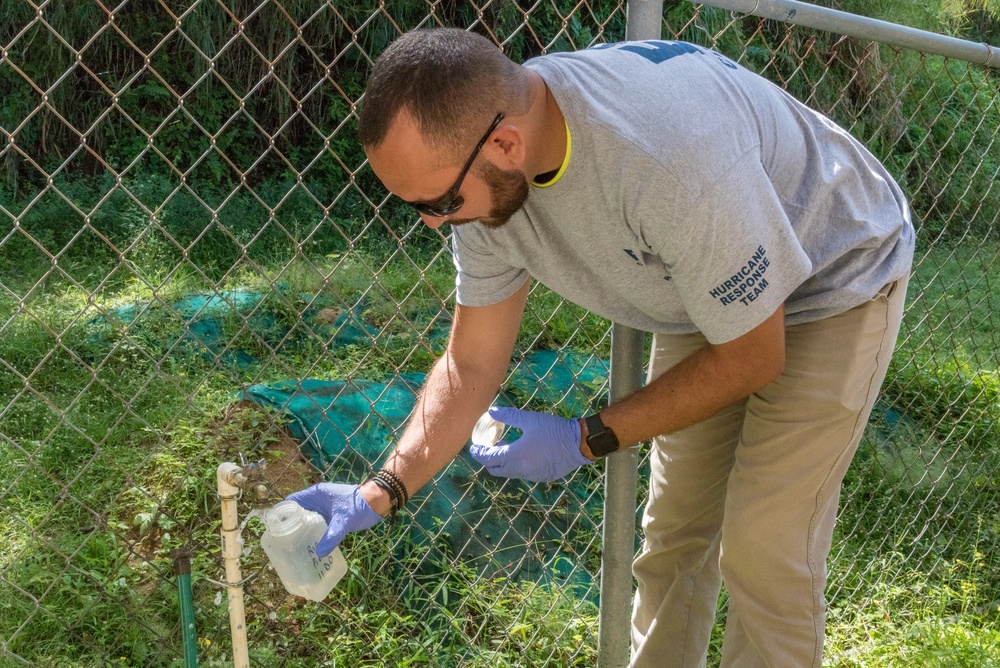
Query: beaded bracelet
[399,484]
[392,484]
[393,495]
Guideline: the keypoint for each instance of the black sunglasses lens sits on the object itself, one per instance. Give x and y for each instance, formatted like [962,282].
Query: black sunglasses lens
[438,210]
[452,206]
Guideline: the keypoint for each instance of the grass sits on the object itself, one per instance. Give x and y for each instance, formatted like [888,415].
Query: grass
[915,575]
[914,618]
[114,422]
[111,442]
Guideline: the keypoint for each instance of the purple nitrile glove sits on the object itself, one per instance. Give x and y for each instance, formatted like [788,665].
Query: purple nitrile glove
[548,449]
[343,508]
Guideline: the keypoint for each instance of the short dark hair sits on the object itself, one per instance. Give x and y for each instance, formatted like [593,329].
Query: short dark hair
[453,82]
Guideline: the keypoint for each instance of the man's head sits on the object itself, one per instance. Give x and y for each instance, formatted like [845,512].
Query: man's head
[431,96]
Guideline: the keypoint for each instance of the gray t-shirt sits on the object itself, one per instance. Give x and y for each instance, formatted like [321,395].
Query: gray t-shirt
[698,197]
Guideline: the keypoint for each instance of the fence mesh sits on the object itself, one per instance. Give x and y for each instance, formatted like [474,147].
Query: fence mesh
[198,267]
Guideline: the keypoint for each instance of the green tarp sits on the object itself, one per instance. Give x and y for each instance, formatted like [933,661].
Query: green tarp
[501,528]
[539,533]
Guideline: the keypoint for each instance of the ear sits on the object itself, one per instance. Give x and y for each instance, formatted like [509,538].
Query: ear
[506,148]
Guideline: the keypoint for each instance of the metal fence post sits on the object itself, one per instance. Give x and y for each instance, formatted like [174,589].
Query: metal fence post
[643,21]
[618,537]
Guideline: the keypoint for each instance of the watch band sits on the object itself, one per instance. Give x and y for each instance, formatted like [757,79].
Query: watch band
[602,441]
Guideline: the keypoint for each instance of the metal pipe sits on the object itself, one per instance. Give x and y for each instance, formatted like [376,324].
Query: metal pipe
[182,569]
[644,20]
[843,23]
[230,477]
[614,640]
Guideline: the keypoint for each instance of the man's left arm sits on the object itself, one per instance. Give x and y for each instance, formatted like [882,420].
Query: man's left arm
[699,386]
[702,384]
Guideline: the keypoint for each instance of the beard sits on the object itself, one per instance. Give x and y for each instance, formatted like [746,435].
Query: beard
[508,192]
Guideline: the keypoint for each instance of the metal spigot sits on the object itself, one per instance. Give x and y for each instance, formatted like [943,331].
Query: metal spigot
[247,477]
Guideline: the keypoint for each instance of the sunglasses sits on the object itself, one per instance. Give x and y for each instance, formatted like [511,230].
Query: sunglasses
[451,201]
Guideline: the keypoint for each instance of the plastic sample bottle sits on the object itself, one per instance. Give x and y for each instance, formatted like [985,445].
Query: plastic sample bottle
[290,536]
[487,431]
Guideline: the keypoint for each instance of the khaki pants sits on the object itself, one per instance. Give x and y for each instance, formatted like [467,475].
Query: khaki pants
[750,495]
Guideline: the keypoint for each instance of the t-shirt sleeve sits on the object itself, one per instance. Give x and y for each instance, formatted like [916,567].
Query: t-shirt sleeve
[482,278]
[735,258]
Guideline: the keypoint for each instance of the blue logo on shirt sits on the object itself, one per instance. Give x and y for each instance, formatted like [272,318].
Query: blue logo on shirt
[632,255]
[660,52]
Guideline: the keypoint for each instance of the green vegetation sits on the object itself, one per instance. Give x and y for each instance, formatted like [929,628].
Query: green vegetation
[932,121]
[916,577]
[115,411]
[108,466]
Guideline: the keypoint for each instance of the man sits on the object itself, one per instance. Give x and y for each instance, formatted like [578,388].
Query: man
[664,187]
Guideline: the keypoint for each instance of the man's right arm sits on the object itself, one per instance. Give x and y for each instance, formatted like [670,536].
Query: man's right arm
[457,391]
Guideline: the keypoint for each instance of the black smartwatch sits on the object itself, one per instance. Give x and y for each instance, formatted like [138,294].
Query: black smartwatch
[602,441]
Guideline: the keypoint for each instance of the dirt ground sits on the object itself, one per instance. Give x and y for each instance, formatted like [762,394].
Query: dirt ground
[246,424]
[247,429]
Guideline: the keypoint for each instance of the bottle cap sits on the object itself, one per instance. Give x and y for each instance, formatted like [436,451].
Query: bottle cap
[487,431]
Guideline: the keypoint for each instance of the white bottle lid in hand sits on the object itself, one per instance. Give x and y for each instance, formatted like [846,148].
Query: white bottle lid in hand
[487,431]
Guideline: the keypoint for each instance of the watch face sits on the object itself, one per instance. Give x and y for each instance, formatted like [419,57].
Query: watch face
[602,441]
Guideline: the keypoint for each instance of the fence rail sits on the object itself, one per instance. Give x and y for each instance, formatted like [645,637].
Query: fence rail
[831,20]
[197,267]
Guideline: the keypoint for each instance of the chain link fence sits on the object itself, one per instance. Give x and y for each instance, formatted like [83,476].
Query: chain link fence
[197,267]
